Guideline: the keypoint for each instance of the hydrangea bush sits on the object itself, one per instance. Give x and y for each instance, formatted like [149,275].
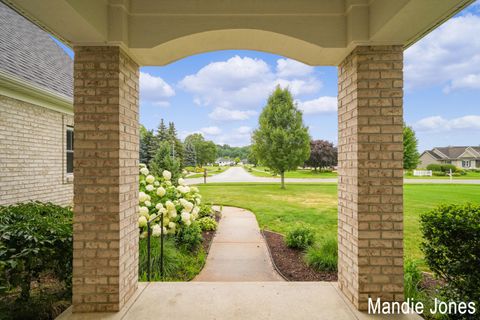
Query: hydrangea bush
[159,197]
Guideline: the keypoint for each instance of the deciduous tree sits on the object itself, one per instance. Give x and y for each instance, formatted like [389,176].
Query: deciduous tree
[411,157]
[322,154]
[281,141]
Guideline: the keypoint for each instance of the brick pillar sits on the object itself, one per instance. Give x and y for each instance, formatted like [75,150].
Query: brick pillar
[370,186]
[105,258]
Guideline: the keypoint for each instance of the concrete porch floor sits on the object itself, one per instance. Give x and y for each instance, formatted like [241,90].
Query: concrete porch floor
[236,300]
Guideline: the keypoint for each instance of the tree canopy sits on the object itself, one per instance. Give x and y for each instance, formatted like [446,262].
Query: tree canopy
[205,151]
[411,157]
[281,141]
[322,154]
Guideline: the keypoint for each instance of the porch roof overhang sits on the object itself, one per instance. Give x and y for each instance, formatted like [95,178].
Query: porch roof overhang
[320,32]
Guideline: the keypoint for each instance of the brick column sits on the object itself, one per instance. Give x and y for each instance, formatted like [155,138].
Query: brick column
[370,186]
[105,258]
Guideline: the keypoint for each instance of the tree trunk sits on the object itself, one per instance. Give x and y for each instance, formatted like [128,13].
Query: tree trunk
[282,174]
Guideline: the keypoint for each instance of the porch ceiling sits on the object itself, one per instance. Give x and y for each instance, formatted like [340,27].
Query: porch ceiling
[317,32]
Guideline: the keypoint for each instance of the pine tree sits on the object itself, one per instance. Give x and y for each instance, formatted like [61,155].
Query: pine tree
[190,156]
[282,141]
[148,145]
[163,160]
[177,145]
[162,132]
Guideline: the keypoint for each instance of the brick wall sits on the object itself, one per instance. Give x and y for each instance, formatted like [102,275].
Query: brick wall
[370,188]
[32,153]
[105,258]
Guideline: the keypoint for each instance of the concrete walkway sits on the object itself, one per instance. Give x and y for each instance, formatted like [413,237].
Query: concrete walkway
[239,174]
[236,301]
[238,251]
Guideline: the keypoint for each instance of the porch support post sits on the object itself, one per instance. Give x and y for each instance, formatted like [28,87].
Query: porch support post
[370,185]
[105,257]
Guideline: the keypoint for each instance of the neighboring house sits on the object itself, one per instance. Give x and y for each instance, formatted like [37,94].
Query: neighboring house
[36,114]
[225,162]
[462,157]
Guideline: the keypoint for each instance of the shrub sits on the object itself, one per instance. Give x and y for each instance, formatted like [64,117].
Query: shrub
[189,237]
[439,173]
[324,256]
[299,238]
[442,167]
[206,210]
[207,224]
[35,238]
[452,249]
[412,277]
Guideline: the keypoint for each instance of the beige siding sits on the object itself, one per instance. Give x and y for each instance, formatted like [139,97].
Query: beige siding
[32,154]
[427,159]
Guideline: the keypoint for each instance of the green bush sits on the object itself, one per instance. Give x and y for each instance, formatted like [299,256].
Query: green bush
[35,238]
[189,237]
[412,277]
[179,264]
[324,256]
[206,210]
[443,168]
[207,224]
[451,246]
[439,173]
[299,238]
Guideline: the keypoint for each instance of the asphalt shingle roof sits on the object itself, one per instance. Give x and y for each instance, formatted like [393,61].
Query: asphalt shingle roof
[31,54]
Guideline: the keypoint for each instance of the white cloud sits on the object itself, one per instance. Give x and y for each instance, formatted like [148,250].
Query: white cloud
[320,105]
[438,123]
[291,68]
[243,83]
[449,56]
[237,137]
[155,90]
[223,114]
[244,130]
[212,131]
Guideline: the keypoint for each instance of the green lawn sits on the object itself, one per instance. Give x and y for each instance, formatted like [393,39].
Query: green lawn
[211,171]
[316,205]
[300,173]
[469,175]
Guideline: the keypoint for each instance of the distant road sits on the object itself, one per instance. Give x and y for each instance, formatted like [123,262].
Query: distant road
[238,174]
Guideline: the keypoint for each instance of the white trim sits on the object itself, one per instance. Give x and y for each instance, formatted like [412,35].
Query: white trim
[17,88]
[473,151]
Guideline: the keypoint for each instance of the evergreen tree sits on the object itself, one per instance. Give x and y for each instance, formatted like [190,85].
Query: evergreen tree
[162,132]
[282,141]
[148,145]
[190,156]
[411,157]
[206,151]
[177,145]
[163,160]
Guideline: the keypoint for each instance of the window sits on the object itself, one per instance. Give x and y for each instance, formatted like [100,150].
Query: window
[69,149]
[465,163]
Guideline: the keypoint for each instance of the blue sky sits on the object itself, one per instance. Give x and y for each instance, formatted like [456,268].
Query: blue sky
[221,94]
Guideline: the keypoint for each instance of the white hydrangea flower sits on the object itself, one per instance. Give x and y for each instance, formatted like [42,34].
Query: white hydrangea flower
[188,206]
[156,183]
[142,165]
[172,225]
[166,221]
[168,183]
[148,203]
[143,235]
[163,211]
[181,181]
[161,191]
[169,205]
[156,231]
[194,189]
[184,172]
[185,216]
[142,197]
[188,222]
[167,175]
[149,187]
[142,222]
[150,179]
[144,171]
[159,206]
[172,214]
[198,201]
[143,210]
[196,210]
[152,217]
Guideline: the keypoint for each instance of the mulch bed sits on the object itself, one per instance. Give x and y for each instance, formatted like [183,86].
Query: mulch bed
[289,262]
[209,235]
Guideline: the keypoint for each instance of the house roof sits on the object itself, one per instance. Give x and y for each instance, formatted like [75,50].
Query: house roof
[452,152]
[28,52]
